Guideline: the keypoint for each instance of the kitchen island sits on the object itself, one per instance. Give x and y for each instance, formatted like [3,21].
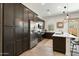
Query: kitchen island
[61,42]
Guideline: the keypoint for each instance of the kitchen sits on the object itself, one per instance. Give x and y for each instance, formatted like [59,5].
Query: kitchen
[24,27]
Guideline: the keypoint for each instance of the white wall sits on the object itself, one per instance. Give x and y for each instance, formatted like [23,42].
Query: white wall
[54,19]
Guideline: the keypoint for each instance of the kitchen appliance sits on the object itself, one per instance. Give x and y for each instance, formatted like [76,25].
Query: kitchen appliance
[33,33]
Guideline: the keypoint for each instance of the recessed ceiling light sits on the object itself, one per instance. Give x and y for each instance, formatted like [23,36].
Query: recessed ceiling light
[48,11]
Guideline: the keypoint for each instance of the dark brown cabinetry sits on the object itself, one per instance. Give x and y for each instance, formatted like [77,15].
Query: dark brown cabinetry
[26,31]
[31,16]
[8,48]
[8,14]
[48,35]
[8,29]
[19,13]
[0,29]
[59,44]
[15,21]
[0,13]
[15,29]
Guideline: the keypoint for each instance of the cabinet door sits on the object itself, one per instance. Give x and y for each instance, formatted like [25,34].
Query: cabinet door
[59,44]
[18,40]
[25,40]
[0,14]
[19,28]
[9,14]
[31,15]
[62,45]
[0,29]
[8,44]
[0,40]
[19,13]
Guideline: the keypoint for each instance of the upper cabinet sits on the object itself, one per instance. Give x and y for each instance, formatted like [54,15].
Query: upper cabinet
[8,14]
[26,18]
[0,13]
[32,15]
[19,16]
[19,13]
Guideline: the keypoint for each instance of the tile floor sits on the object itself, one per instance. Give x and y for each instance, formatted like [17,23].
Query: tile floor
[44,48]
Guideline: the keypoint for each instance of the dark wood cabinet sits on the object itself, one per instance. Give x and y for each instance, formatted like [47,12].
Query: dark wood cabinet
[8,29]
[59,44]
[31,16]
[19,13]
[48,35]
[0,29]
[19,28]
[0,13]
[18,40]
[15,21]
[8,46]
[8,14]
[26,41]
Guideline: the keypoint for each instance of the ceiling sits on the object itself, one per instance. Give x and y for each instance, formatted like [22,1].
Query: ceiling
[51,9]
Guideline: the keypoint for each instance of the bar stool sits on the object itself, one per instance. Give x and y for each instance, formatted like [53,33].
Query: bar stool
[74,44]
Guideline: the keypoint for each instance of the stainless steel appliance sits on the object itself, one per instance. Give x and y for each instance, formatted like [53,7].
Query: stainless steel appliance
[33,37]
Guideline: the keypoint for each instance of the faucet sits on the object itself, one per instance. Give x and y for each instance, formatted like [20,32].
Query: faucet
[61,31]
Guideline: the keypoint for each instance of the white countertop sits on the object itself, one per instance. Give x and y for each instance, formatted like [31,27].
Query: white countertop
[64,35]
[50,31]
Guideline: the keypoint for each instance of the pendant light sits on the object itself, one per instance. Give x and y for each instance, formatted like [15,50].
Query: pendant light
[66,11]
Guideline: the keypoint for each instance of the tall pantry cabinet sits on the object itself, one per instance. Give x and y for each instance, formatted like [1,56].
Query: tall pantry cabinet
[0,29]
[8,29]
[15,26]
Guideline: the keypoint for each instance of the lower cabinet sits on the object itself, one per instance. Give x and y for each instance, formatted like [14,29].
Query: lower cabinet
[14,42]
[18,47]
[25,44]
[8,44]
[48,35]
[0,40]
[59,44]
[18,40]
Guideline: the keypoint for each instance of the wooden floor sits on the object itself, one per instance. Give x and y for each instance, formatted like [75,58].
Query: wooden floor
[44,48]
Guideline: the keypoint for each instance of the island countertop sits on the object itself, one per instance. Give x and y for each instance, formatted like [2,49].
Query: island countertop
[63,43]
[67,35]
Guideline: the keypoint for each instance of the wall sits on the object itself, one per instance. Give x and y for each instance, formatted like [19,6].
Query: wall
[52,20]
